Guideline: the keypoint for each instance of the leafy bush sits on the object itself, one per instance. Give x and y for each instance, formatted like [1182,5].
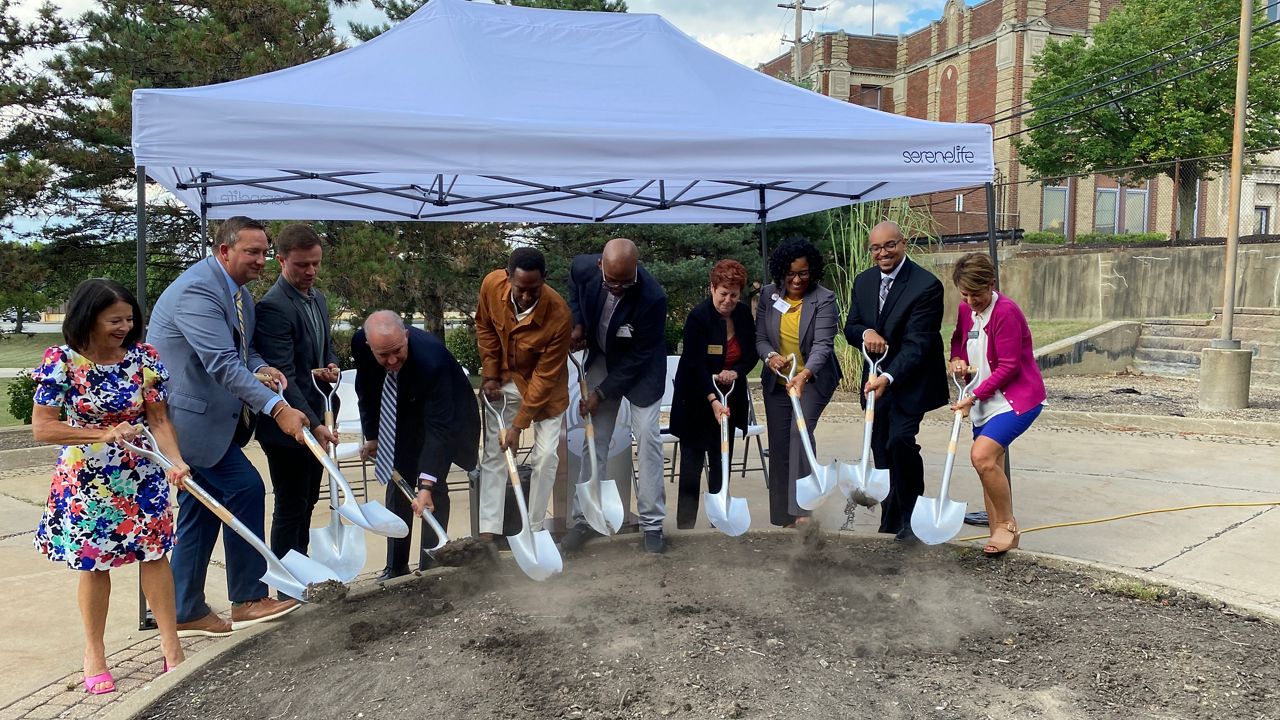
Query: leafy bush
[1122,239]
[1043,238]
[342,346]
[674,335]
[20,392]
[461,342]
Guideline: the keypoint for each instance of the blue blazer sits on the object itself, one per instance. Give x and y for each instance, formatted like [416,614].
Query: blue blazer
[636,355]
[193,327]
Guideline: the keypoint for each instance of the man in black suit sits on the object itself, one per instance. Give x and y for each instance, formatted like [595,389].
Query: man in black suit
[293,336]
[898,304]
[415,398]
[619,316]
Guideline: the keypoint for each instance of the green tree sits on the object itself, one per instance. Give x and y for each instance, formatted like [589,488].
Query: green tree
[1189,117]
[23,277]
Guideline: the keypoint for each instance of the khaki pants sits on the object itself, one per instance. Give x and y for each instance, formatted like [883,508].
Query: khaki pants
[493,467]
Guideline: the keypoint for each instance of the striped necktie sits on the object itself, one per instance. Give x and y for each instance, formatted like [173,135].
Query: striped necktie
[384,462]
[246,415]
[885,282]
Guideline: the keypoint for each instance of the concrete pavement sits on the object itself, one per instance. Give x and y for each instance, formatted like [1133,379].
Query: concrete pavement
[1060,474]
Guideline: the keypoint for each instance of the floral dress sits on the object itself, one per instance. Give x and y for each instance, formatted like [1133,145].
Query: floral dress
[107,506]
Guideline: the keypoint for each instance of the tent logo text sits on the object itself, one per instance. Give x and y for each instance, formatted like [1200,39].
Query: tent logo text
[957,155]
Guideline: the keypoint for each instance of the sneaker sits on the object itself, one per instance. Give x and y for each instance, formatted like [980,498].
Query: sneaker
[211,625]
[255,611]
[653,541]
[577,536]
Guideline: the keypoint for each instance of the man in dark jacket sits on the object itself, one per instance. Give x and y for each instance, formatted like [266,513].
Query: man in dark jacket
[898,305]
[293,336]
[619,315]
[419,416]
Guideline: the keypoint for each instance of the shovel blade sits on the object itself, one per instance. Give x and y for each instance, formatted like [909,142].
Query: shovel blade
[936,520]
[729,515]
[340,549]
[536,554]
[813,489]
[292,574]
[441,536]
[591,511]
[876,485]
[374,517]
[611,504]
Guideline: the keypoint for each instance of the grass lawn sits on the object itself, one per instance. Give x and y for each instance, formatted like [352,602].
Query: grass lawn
[1045,332]
[20,351]
[5,418]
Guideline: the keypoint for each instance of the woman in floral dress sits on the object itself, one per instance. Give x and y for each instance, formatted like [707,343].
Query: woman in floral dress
[107,506]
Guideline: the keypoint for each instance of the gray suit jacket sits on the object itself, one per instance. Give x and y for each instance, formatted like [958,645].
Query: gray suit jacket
[287,342]
[193,327]
[819,322]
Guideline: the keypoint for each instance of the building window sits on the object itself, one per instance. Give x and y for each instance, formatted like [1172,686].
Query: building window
[1262,219]
[1135,210]
[1104,210]
[1053,211]
[1273,11]
[959,202]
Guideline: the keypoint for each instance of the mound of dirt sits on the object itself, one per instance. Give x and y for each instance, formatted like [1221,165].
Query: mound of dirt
[807,625]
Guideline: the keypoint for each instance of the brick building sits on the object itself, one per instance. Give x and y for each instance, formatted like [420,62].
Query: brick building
[974,64]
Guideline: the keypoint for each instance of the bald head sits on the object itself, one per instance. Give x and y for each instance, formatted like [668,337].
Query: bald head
[887,246]
[388,339]
[619,264]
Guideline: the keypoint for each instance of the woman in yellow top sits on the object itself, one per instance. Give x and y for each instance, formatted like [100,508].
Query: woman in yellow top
[796,315]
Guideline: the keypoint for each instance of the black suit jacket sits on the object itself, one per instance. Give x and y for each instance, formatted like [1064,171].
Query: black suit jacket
[638,363]
[911,322]
[437,420]
[286,341]
[691,417]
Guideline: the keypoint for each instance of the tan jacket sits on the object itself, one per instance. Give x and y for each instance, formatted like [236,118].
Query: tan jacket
[533,352]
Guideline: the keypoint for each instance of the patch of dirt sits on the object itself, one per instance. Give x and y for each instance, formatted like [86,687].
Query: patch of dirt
[466,551]
[1140,394]
[326,592]
[807,625]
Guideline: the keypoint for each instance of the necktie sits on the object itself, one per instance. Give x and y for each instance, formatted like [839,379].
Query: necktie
[246,414]
[384,462]
[606,316]
[885,282]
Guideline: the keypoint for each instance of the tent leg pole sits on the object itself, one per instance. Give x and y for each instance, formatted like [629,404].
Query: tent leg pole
[995,262]
[763,215]
[206,251]
[146,621]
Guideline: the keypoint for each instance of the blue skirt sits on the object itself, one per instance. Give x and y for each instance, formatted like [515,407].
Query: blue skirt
[1007,426]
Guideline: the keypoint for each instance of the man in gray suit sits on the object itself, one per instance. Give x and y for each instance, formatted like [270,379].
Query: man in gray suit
[293,336]
[202,326]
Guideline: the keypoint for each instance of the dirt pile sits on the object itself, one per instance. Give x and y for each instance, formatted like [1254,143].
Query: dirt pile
[806,625]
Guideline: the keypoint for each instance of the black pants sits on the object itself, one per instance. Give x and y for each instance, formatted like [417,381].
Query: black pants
[295,477]
[893,445]
[398,548]
[692,456]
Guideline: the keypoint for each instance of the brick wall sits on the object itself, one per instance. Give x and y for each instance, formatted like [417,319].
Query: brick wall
[918,94]
[982,83]
[948,83]
[877,53]
[1071,14]
[1107,6]
[918,46]
[942,205]
[986,17]
[778,67]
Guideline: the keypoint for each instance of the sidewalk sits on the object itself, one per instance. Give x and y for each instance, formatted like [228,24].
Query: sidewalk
[1060,474]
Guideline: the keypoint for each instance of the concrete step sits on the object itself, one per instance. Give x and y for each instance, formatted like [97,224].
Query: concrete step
[1246,334]
[1217,310]
[1250,321]
[1190,358]
[1164,342]
[1264,379]
[1171,369]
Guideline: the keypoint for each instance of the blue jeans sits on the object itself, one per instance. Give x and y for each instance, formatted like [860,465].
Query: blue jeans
[235,483]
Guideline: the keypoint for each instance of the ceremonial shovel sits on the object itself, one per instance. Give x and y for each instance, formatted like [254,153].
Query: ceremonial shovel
[426,514]
[535,552]
[822,480]
[340,547]
[866,485]
[937,521]
[599,499]
[727,514]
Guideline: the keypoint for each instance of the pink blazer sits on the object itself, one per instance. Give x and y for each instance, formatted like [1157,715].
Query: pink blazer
[1009,352]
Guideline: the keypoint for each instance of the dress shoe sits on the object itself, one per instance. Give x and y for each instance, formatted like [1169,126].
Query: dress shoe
[256,611]
[906,536]
[392,573]
[654,542]
[211,625]
[577,536]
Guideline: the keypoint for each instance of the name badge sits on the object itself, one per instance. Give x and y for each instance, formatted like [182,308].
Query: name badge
[780,305]
[973,334]
[715,349]
[624,331]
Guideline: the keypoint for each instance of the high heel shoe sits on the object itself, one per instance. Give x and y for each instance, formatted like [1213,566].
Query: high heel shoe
[1004,537]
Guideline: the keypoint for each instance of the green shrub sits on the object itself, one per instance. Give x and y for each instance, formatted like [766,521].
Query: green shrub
[342,346]
[1122,239]
[461,341]
[674,335]
[1044,238]
[21,391]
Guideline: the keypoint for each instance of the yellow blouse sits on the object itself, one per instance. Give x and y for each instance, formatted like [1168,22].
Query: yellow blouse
[789,334]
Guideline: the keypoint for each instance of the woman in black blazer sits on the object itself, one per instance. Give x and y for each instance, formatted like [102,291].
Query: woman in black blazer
[719,339]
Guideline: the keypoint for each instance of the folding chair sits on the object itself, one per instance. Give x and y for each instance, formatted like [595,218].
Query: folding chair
[754,430]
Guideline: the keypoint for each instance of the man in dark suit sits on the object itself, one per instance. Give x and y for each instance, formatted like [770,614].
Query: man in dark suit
[293,336]
[419,416]
[619,316]
[898,305]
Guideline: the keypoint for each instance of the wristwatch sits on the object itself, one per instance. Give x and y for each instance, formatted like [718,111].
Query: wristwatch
[425,482]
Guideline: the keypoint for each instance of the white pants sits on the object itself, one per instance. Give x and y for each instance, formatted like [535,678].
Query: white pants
[651,494]
[493,468]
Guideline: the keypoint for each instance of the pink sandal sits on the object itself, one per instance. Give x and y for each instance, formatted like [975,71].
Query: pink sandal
[91,684]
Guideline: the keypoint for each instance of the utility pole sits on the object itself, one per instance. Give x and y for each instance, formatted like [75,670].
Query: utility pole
[800,9]
[1225,368]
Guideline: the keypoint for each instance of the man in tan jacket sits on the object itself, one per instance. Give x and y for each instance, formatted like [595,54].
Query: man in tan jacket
[522,328]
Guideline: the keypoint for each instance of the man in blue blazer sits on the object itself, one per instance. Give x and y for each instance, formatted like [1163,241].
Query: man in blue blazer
[202,327]
[619,316]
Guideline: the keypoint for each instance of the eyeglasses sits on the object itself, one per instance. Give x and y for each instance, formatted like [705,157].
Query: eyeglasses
[796,275]
[618,286]
[887,247]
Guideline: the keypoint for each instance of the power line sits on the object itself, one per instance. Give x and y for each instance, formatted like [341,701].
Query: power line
[1130,94]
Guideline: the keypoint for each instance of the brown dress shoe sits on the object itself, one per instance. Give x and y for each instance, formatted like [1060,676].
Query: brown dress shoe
[262,610]
[211,625]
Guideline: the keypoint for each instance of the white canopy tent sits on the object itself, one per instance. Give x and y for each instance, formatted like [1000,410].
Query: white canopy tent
[470,111]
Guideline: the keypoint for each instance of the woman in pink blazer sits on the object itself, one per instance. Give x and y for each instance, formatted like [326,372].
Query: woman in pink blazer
[993,343]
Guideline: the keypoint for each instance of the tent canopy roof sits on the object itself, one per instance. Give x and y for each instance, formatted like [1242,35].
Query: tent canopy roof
[470,111]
